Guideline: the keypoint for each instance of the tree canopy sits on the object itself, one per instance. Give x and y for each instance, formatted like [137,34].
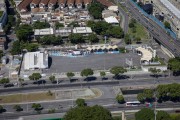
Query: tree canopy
[92,38]
[23,32]
[80,102]
[40,25]
[95,9]
[35,76]
[4,80]
[167,25]
[76,38]
[58,25]
[87,72]
[50,40]
[118,70]
[88,113]
[74,24]
[148,114]
[120,99]
[174,65]
[70,75]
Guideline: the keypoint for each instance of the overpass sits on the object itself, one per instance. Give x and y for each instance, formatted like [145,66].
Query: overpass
[160,34]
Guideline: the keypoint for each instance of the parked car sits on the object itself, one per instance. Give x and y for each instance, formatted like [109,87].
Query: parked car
[9,85]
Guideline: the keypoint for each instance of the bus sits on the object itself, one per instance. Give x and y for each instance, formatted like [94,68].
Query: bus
[133,103]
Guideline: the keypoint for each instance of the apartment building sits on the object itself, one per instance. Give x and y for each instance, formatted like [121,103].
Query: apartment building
[62,3]
[78,3]
[51,4]
[70,3]
[3,15]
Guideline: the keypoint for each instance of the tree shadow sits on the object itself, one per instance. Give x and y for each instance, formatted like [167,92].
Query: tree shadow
[49,62]
[105,78]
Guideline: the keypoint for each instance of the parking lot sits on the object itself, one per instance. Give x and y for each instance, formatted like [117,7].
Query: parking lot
[95,62]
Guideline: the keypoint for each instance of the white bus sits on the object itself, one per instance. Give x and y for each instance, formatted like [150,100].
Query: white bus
[133,103]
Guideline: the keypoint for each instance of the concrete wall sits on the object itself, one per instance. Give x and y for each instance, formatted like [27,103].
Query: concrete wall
[162,68]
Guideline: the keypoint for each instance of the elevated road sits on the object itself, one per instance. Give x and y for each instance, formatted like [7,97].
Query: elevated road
[155,30]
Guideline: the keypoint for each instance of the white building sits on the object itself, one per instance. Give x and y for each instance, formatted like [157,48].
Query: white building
[111,20]
[35,60]
[82,30]
[3,15]
[41,32]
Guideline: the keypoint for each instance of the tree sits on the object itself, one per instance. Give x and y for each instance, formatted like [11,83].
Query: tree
[73,24]
[37,107]
[88,113]
[21,81]
[127,39]
[23,32]
[155,72]
[1,54]
[102,74]
[87,72]
[70,75]
[16,48]
[52,78]
[120,99]
[162,115]
[76,38]
[4,80]
[40,25]
[144,114]
[51,39]
[131,25]
[117,32]
[148,95]
[92,38]
[140,97]
[138,40]
[18,108]
[31,47]
[95,9]
[35,76]
[118,70]
[174,65]
[80,102]
[2,109]
[167,25]
[58,25]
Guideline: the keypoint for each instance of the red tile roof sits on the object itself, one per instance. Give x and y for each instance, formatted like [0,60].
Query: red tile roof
[70,1]
[45,2]
[24,4]
[52,2]
[105,2]
[61,1]
[87,1]
[78,2]
[36,2]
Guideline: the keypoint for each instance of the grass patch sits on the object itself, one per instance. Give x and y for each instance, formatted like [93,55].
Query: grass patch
[30,97]
[140,32]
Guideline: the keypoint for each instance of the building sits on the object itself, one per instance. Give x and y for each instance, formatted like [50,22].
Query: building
[87,2]
[82,30]
[24,6]
[148,8]
[70,4]
[112,20]
[43,5]
[108,13]
[78,3]
[34,4]
[61,3]
[3,15]
[3,42]
[35,60]
[42,32]
[51,4]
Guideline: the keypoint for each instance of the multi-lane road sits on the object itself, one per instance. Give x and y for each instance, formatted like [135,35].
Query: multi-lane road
[155,30]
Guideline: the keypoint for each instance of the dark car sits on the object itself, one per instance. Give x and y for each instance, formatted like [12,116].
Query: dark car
[40,82]
[9,85]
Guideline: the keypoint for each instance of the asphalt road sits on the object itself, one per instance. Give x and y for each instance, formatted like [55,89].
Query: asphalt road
[121,83]
[156,31]
[61,109]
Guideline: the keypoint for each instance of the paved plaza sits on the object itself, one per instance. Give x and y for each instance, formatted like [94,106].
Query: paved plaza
[95,62]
